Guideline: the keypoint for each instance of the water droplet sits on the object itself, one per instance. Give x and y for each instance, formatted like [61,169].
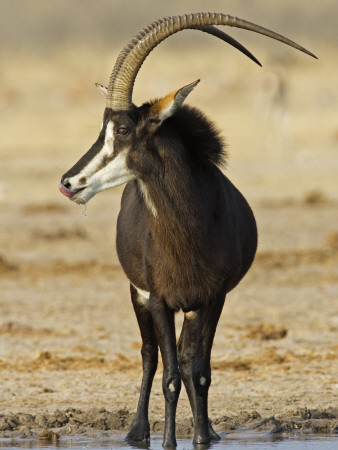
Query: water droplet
[84,209]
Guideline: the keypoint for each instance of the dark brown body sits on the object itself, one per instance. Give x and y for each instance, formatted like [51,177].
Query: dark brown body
[188,254]
[186,236]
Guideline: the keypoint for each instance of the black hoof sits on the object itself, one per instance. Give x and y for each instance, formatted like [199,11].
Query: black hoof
[213,435]
[169,443]
[138,433]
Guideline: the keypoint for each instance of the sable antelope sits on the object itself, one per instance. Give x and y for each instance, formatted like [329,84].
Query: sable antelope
[185,234]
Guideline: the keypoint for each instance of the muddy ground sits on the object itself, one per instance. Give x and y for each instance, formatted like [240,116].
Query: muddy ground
[69,342]
[70,345]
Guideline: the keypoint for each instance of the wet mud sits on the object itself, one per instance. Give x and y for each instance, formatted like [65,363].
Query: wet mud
[101,423]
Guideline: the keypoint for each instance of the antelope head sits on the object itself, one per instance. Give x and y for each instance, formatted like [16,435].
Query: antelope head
[115,157]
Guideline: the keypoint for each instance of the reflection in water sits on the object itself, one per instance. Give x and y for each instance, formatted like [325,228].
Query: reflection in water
[230,442]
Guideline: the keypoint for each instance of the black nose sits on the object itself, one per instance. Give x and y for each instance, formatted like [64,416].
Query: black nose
[65,182]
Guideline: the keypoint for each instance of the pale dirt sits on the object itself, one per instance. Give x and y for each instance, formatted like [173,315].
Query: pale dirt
[69,341]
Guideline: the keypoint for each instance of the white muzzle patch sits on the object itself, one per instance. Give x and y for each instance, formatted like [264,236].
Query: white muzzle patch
[103,171]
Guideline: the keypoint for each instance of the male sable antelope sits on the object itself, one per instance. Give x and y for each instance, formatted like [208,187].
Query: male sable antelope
[185,234]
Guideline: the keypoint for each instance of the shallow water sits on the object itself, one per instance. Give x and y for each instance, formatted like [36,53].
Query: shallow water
[231,442]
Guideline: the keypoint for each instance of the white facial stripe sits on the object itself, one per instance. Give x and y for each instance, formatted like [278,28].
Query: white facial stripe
[99,177]
[106,151]
[115,172]
[109,131]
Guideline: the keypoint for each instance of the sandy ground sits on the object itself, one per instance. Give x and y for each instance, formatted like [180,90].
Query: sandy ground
[69,342]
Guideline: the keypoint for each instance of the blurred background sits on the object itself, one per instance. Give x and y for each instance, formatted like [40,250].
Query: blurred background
[62,292]
[52,53]
[39,25]
[280,121]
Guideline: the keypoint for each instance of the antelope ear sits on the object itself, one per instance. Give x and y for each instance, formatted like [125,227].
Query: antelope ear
[102,89]
[170,104]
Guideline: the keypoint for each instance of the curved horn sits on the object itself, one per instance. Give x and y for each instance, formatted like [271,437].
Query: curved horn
[131,58]
[210,29]
[230,40]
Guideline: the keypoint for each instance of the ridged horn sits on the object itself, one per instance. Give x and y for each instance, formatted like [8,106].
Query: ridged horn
[131,58]
[210,29]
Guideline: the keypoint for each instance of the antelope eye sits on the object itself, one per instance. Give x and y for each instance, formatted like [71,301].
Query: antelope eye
[122,130]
